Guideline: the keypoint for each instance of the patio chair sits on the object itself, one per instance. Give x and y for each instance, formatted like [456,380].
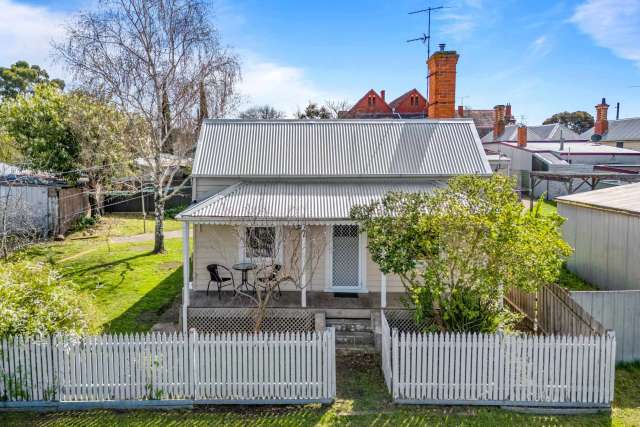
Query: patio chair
[220,280]
[266,275]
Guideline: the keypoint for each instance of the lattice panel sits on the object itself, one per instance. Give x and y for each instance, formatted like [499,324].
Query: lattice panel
[404,321]
[217,320]
[345,256]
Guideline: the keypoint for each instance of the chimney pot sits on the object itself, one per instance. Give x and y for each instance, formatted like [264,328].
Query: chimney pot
[382,94]
[441,46]
[522,136]
[460,110]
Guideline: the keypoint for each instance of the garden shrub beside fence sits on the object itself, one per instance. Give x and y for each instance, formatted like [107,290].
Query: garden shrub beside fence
[241,368]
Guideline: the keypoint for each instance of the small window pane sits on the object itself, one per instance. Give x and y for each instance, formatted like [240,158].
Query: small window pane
[260,242]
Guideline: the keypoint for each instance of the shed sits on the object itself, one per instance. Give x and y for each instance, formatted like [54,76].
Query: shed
[603,227]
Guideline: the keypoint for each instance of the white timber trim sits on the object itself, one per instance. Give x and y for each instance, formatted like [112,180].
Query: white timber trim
[362,260]
[328,258]
[383,290]
[303,266]
[185,274]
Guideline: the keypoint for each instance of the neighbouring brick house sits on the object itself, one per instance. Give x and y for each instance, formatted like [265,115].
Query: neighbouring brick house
[412,104]
[622,133]
[442,67]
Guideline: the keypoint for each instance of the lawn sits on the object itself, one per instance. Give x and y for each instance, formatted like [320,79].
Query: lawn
[362,401]
[131,286]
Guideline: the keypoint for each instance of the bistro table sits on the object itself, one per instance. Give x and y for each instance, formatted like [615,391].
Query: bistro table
[244,267]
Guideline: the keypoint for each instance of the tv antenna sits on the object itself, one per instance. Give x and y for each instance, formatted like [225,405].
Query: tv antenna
[426,38]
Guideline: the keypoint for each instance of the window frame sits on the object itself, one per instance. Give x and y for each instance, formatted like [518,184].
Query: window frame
[278,246]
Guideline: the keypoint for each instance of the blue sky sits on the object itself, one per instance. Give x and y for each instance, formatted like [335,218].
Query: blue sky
[542,56]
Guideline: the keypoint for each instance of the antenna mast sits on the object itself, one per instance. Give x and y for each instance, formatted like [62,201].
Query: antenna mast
[426,38]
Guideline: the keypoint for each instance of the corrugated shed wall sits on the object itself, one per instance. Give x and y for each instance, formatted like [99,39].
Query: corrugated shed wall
[24,208]
[618,311]
[607,246]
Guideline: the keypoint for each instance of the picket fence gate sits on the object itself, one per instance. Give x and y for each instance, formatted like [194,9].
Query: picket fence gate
[499,369]
[227,368]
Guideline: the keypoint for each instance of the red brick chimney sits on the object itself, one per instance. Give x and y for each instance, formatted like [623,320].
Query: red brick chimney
[508,116]
[498,121]
[460,110]
[442,84]
[522,136]
[382,94]
[602,123]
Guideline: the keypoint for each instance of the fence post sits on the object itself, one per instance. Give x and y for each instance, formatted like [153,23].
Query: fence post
[394,363]
[191,339]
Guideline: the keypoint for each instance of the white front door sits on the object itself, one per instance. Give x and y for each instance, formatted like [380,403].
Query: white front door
[345,266]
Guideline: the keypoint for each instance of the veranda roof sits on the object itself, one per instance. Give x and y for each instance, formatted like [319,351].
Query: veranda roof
[293,203]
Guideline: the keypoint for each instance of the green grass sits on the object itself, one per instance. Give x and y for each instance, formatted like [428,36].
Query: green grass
[572,282]
[118,225]
[362,400]
[130,285]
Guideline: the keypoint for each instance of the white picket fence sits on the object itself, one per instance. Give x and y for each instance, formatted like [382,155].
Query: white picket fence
[204,368]
[497,369]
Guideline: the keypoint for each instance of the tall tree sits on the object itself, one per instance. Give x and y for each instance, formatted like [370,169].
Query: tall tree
[104,134]
[21,78]
[38,124]
[262,112]
[578,121]
[150,56]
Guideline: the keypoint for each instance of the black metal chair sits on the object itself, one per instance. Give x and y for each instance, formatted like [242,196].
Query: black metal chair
[267,275]
[221,281]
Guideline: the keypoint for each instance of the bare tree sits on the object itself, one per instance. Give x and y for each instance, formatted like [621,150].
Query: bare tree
[336,107]
[262,112]
[155,58]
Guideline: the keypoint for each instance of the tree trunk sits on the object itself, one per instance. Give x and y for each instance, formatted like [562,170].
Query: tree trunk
[159,230]
[99,199]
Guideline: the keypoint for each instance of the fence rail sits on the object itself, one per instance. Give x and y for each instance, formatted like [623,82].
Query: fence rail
[552,311]
[228,368]
[529,370]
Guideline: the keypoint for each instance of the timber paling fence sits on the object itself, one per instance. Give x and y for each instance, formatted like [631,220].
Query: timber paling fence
[156,368]
[498,369]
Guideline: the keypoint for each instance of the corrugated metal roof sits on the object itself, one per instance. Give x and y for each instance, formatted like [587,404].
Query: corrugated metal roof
[536,133]
[550,158]
[619,130]
[625,198]
[294,202]
[342,148]
[583,147]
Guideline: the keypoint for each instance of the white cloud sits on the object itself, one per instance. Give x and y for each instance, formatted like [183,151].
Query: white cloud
[282,86]
[540,46]
[26,33]
[612,24]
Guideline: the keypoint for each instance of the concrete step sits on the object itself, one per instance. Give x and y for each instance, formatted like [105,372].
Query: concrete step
[354,338]
[348,350]
[350,325]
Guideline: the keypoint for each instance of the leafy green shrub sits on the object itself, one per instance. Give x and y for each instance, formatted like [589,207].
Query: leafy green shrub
[86,223]
[173,211]
[458,250]
[36,300]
